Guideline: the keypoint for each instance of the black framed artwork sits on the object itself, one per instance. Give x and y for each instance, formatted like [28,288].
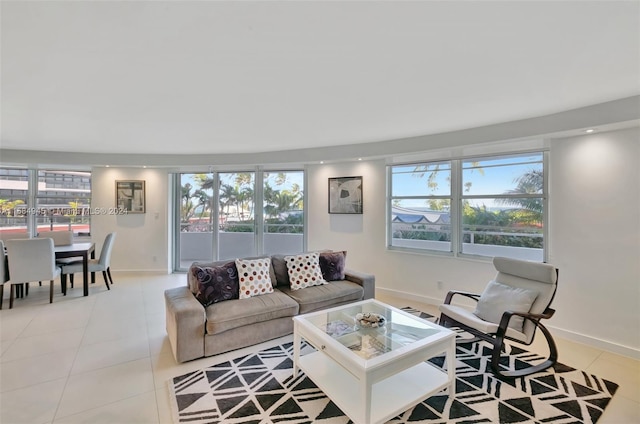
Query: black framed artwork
[345,195]
[130,196]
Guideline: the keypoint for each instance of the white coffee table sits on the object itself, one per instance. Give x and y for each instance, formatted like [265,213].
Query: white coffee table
[372,375]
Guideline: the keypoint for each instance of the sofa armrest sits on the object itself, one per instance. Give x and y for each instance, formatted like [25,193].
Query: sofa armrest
[185,324]
[367,281]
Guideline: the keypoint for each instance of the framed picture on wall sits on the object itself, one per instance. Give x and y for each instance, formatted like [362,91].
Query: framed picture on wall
[130,196]
[345,195]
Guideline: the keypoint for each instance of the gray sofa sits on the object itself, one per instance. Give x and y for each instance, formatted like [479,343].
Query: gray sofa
[196,331]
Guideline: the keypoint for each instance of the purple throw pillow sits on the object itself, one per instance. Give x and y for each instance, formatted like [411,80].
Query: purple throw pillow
[332,265]
[217,283]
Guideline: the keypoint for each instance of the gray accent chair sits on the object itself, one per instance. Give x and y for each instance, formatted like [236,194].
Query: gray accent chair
[521,276]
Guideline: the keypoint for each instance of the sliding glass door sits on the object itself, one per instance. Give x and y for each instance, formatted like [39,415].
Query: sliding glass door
[227,215]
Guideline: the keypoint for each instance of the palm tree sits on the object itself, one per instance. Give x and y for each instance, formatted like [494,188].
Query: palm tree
[247,196]
[531,208]
[187,207]
[228,196]
[269,199]
[204,202]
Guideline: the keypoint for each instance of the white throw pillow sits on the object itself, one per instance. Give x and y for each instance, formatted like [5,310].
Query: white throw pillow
[254,277]
[304,270]
[498,298]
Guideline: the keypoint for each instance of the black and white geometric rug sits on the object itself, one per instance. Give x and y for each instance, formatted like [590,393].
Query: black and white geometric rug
[260,388]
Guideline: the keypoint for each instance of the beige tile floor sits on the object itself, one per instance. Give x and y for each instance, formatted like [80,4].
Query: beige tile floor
[106,358]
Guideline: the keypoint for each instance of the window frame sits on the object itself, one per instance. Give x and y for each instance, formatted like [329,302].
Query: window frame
[32,205]
[259,204]
[457,198]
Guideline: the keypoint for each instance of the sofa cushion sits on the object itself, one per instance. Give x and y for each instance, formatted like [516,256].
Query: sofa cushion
[326,295]
[304,271]
[217,283]
[254,277]
[231,314]
[332,265]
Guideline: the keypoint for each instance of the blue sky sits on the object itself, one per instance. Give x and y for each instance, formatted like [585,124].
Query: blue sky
[488,176]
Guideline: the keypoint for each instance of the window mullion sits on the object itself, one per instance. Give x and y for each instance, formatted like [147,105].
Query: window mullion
[215,210]
[456,207]
[32,202]
[545,205]
[258,208]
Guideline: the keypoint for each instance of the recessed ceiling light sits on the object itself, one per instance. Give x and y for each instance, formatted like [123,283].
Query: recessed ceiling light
[359,158]
[108,166]
[589,131]
[321,162]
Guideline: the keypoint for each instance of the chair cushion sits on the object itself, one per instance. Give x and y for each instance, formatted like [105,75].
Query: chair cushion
[235,313]
[498,298]
[217,283]
[93,265]
[326,295]
[468,318]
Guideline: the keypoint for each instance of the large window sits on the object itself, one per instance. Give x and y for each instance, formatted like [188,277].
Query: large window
[485,206]
[421,206]
[64,201]
[226,215]
[14,200]
[283,212]
[39,200]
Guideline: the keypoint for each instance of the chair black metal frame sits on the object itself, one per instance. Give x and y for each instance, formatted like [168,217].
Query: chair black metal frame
[498,338]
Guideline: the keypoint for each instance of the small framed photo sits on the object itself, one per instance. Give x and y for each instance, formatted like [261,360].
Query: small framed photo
[130,196]
[345,195]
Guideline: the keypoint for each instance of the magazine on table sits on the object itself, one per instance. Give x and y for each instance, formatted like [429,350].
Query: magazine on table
[338,328]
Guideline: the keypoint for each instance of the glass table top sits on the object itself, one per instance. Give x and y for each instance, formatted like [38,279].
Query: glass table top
[399,329]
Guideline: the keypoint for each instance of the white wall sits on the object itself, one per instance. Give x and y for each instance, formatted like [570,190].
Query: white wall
[595,228]
[142,239]
[594,239]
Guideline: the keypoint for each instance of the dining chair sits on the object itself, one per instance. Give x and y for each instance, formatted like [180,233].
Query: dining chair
[31,260]
[60,238]
[101,264]
[4,274]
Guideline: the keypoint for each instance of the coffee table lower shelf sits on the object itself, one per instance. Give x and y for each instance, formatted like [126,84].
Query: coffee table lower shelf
[389,397]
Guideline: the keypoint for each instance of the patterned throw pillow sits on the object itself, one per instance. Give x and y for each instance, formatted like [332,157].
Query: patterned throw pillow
[332,265]
[215,284]
[254,277]
[304,271]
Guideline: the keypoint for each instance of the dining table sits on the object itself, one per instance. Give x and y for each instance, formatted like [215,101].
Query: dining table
[86,250]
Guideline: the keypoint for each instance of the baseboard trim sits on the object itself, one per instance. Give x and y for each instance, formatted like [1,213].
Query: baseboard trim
[560,332]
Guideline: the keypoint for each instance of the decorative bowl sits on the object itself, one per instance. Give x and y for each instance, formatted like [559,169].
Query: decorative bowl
[370,320]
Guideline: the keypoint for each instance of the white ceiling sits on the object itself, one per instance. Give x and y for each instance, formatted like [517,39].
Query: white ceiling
[241,77]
